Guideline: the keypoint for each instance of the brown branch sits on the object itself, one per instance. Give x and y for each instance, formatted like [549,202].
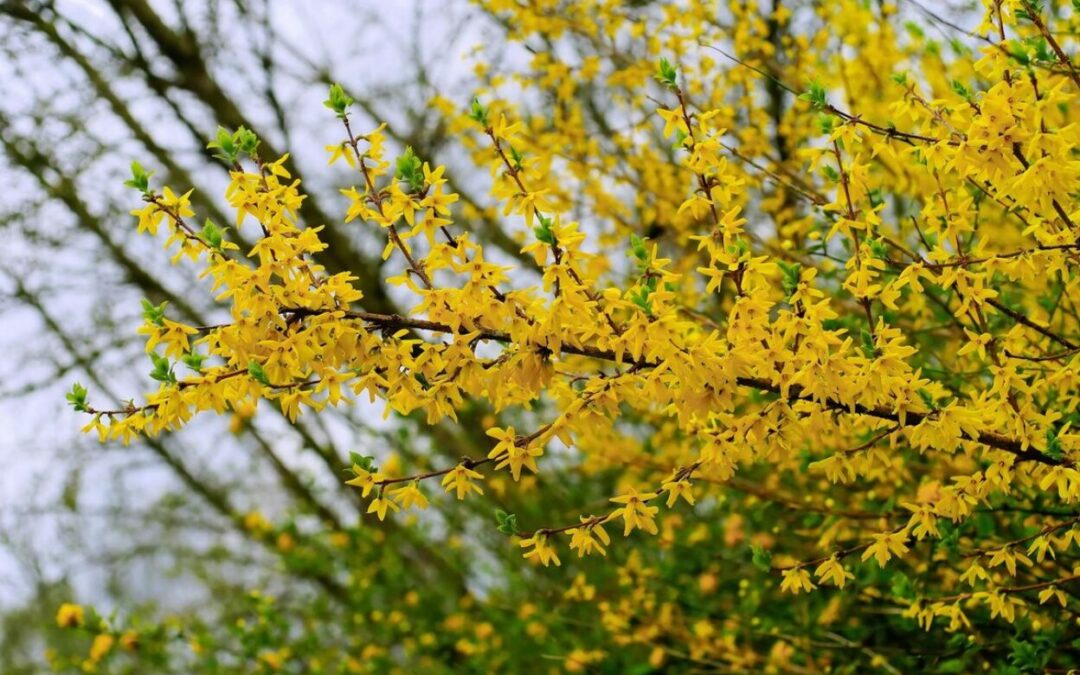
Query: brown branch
[1044,30]
[992,439]
[376,198]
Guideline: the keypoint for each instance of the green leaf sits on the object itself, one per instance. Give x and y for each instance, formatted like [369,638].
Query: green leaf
[338,100]
[901,586]
[927,399]
[762,558]
[152,314]
[230,145]
[1028,656]
[365,462]
[1030,8]
[826,123]
[876,197]
[878,249]
[507,522]
[1053,445]
[408,168]
[868,343]
[163,370]
[637,246]
[961,90]
[543,234]
[1042,50]
[140,179]
[212,234]
[815,96]
[667,74]
[543,231]
[738,248]
[77,397]
[255,370]
[245,141]
[226,148]
[914,29]
[790,274]
[193,360]
[641,299]
[516,157]
[479,113]
[950,536]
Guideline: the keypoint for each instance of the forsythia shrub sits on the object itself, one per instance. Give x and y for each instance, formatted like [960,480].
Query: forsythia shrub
[800,300]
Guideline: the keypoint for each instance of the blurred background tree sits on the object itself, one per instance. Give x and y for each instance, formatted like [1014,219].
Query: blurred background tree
[176,522]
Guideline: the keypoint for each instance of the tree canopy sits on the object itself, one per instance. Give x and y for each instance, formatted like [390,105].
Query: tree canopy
[736,338]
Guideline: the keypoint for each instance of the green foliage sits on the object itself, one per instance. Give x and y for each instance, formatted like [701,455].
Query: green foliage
[543,231]
[815,95]
[789,277]
[507,522]
[408,168]
[140,178]
[229,146]
[365,462]
[479,113]
[213,235]
[338,101]
[77,397]
[194,361]
[154,314]
[667,74]
[761,558]
[255,370]
[163,369]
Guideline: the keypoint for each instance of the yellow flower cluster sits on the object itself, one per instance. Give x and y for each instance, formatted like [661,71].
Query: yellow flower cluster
[884,303]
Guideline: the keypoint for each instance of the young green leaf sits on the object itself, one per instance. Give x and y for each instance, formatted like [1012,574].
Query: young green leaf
[77,397]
